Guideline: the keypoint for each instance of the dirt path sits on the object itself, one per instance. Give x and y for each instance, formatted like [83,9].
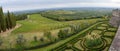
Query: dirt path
[8,32]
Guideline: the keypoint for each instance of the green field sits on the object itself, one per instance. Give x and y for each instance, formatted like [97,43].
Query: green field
[37,23]
[35,26]
[58,25]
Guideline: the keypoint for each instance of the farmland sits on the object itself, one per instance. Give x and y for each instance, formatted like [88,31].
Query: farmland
[41,33]
[68,15]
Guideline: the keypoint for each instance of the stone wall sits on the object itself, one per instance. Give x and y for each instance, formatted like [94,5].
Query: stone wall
[115,19]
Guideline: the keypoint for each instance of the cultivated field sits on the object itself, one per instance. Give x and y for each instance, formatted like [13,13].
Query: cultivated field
[39,33]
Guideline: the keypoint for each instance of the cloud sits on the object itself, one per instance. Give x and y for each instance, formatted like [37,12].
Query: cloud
[15,5]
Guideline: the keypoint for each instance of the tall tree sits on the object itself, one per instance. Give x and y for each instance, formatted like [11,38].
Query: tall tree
[13,20]
[2,20]
[6,21]
[9,20]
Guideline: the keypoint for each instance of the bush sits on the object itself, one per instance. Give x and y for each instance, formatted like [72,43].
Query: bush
[93,39]
[93,43]
[35,38]
[75,28]
[41,39]
[63,33]
[48,35]
[20,41]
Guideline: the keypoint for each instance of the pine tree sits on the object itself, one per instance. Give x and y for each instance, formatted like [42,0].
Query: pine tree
[2,20]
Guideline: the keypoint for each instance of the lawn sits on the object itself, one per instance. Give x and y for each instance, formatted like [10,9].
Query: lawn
[109,33]
[112,29]
[104,25]
[96,31]
[37,23]
[101,28]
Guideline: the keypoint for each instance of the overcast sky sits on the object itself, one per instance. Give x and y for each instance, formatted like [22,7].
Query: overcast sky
[18,5]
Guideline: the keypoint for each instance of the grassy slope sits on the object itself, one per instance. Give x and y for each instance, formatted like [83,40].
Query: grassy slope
[37,23]
[48,48]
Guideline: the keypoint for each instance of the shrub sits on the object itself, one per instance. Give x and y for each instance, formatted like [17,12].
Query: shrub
[93,43]
[75,28]
[63,33]
[49,36]
[20,41]
[93,39]
[35,38]
[41,39]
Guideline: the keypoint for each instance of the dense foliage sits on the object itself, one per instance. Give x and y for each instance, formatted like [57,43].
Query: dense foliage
[63,15]
[21,17]
[6,21]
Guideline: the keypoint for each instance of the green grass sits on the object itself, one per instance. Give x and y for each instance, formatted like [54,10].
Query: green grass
[108,40]
[101,28]
[96,31]
[68,50]
[104,25]
[112,29]
[109,33]
[37,23]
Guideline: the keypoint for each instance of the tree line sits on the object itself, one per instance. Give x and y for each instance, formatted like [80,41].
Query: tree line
[7,21]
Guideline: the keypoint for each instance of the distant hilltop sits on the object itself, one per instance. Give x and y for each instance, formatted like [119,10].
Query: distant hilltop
[115,19]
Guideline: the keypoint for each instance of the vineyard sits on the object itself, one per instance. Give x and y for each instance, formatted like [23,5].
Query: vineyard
[68,15]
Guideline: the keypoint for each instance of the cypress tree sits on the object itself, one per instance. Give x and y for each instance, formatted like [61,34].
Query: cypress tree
[2,20]
[13,20]
[6,21]
[9,20]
